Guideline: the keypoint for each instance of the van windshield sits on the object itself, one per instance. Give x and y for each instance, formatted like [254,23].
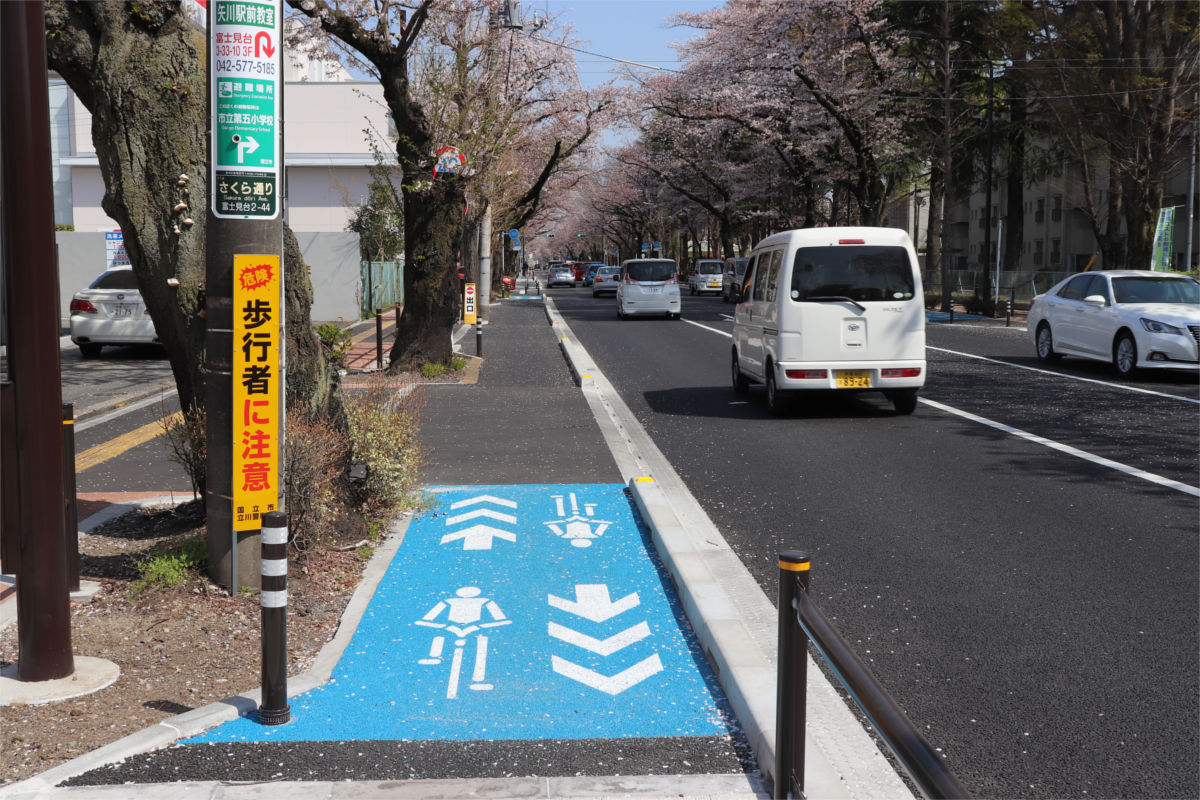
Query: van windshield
[859,272]
[709,267]
[651,270]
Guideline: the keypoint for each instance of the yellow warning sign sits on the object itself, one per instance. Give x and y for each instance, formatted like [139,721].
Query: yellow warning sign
[257,317]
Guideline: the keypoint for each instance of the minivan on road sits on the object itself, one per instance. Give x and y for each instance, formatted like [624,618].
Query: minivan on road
[648,286]
[832,308]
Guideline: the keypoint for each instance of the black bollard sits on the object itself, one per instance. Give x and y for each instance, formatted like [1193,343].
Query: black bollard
[378,338]
[70,516]
[792,679]
[274,709]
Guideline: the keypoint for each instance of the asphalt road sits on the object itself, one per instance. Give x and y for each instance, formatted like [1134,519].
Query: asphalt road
[1034,612]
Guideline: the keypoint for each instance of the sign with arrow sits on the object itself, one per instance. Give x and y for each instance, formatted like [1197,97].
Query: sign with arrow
[247,96]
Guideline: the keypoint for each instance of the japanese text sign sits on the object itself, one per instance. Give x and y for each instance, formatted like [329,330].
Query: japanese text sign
[257,374]
[246,91]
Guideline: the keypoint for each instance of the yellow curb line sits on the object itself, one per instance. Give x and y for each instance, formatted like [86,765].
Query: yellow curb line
[126,441]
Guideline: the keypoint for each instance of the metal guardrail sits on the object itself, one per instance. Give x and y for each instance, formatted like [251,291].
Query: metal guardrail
[800,622]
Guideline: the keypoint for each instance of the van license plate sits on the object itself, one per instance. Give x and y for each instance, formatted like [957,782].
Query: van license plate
[853,378]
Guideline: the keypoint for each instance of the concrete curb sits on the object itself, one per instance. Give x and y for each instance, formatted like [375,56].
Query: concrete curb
[197,721]
[733,618]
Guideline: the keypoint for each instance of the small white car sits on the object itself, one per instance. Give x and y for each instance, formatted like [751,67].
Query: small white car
[110,312]
[707,277]
[1134,319]
[648,286]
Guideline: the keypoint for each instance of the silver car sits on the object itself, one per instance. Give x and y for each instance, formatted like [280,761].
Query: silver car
[648,286]
[110,312]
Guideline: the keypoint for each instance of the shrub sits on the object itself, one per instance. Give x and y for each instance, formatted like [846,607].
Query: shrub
[186,436]
[384,420]
[432,370]
[457,363]
[335,343]
[316,457]
[164,568]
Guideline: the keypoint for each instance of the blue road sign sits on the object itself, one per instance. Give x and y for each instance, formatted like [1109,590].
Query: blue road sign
[645,247]
[513,233]
[514,612]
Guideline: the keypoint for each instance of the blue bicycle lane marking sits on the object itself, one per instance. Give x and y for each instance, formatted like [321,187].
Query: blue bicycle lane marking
[514,612]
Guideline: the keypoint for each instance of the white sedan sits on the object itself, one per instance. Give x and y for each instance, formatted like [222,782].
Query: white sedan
[111,312]
[1132,318]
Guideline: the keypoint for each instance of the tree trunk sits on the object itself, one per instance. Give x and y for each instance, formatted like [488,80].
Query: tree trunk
[433,219]
[139,70]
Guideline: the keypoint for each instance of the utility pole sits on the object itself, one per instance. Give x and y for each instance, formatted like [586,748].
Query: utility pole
[244,285]
[31,295]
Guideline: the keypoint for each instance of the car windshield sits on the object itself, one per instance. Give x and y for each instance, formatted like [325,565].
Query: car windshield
[709,267]
[116,279]
[650,270]
[859,272]
[1146,289]
[739,265]
[608,270]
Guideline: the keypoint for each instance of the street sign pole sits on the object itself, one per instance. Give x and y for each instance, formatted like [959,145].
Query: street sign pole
[244,301]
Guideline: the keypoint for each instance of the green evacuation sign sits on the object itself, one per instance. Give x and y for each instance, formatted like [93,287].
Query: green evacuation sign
[244,50]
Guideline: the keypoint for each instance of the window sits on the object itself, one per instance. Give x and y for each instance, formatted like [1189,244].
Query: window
[1040,214]
[1156,290]
[1056,212]
[651,270]
[860,272]
[772,290]
[749,277]
[768,273]
[1076,288]
[116,279]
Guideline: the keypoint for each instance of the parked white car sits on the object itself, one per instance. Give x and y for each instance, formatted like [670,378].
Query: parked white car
[1135,319]
[110,312]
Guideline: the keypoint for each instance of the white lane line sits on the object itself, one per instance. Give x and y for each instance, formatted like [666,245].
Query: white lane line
[1109,384]
[1066,448]
[92,422]
[705,327]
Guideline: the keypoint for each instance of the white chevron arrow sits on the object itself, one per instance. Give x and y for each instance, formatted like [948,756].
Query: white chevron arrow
[479,537]
[604,647]
[613,685]
[481,512]
[484,498]
[592,602]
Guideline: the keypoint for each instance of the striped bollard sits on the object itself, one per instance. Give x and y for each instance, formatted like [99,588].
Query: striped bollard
[274,709]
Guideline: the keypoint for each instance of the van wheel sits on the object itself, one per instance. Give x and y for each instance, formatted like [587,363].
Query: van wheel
[905,400]
[741,384]
[776,400]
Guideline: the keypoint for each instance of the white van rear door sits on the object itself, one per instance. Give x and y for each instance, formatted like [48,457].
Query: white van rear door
[856,302]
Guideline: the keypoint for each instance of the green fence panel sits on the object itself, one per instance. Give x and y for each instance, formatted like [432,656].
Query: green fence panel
[382,285]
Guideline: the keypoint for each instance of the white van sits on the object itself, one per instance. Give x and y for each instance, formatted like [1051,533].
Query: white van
[648,286]
[832,308]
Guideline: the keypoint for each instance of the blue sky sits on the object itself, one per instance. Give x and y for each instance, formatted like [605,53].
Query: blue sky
[634,30]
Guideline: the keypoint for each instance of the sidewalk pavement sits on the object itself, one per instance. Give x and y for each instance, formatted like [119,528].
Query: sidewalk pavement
[532,418]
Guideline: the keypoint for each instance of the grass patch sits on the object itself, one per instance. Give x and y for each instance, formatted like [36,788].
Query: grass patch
[168,567]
